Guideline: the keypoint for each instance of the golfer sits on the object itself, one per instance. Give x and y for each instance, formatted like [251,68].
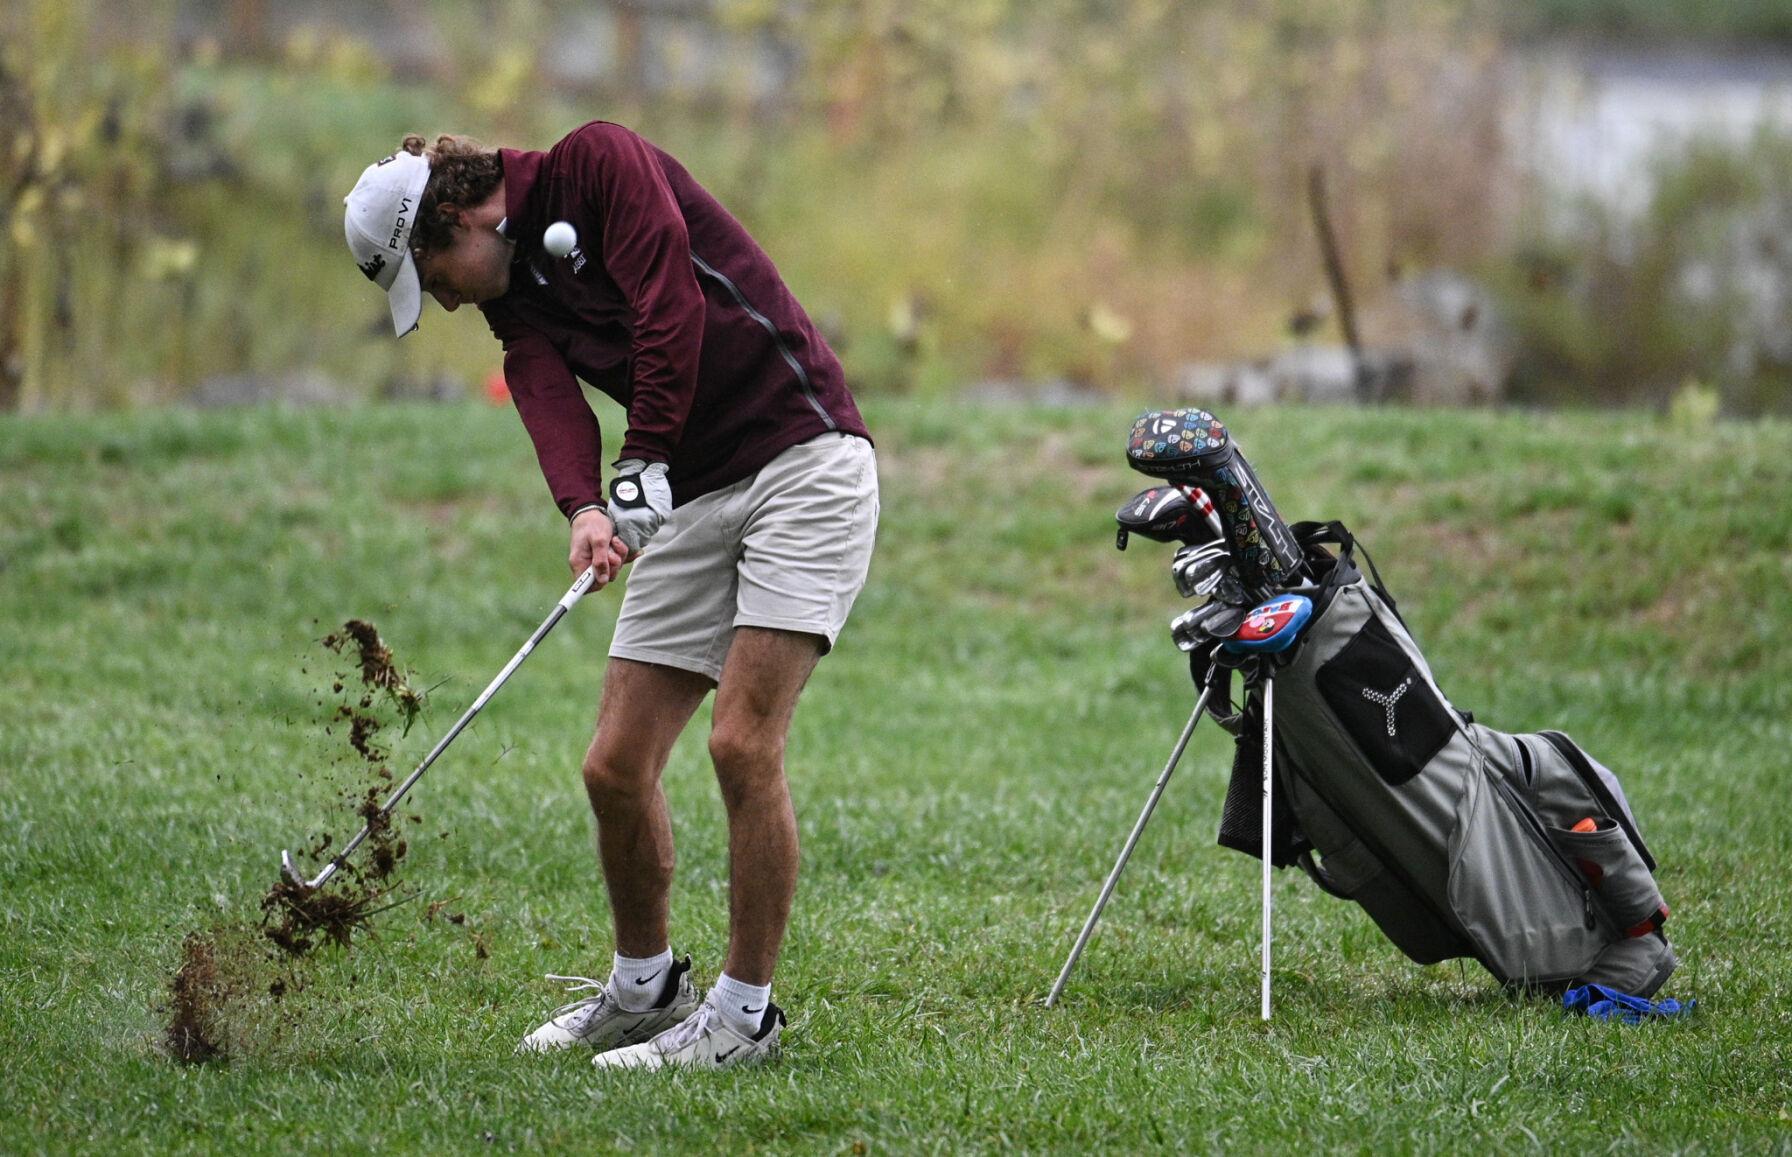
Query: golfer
[744,495]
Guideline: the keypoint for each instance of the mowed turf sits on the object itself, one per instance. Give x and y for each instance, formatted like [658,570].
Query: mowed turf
[965,767]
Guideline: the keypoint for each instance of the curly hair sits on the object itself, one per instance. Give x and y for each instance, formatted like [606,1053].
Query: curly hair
[462,172]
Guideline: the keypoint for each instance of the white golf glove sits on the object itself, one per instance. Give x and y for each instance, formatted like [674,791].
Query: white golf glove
[640,500]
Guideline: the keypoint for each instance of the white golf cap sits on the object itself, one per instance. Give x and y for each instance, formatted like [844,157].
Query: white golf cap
[382,207]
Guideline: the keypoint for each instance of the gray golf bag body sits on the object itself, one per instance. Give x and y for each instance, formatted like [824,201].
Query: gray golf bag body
[1519,851]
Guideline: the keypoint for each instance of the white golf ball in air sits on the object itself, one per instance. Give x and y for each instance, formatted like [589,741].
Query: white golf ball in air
[560,238]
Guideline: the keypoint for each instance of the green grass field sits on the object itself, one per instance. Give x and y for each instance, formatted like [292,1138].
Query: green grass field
[965,766]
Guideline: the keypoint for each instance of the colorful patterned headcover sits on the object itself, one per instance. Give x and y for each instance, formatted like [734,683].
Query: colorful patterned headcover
[1193,447]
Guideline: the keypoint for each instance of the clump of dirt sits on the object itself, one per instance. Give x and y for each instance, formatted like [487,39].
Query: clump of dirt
[378,671]
[191,1035]
[361,730]
[232,972]
[214,997]
[294,917]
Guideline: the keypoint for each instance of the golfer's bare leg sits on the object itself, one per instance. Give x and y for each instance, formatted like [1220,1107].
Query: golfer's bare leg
[644,708]
[761,680]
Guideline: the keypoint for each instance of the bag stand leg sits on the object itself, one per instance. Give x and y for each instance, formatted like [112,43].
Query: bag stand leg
[1269,708]
[1132,840]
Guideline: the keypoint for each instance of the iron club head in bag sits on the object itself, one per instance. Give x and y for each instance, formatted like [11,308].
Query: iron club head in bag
[1208,572]
[1206,624]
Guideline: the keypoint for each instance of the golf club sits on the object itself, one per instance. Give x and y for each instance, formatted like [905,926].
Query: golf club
[1208,571]
[579,586]
[1202,503]
[1270,629]
[1206,624]
[1166,514]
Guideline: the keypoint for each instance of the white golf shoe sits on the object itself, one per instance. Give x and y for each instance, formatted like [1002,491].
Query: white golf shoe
[705,1041]
[599,1021]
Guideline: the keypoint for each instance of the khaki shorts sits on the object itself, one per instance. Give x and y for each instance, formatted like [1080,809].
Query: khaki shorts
[787,548]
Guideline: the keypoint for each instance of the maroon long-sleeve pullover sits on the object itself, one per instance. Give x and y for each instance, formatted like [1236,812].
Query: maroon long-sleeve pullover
[667,306]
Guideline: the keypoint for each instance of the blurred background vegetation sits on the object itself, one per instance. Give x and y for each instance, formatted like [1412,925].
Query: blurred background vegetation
[1582,201]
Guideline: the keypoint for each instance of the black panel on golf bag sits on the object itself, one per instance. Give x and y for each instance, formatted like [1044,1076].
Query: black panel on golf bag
[1520,851]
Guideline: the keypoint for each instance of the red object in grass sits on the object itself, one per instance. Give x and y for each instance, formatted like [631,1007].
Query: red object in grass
[496,391]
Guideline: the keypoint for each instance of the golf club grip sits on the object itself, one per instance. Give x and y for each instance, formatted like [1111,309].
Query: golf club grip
[579,586]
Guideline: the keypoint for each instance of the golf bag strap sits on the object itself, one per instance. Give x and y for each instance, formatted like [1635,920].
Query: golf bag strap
[1335,533]
[1220,707]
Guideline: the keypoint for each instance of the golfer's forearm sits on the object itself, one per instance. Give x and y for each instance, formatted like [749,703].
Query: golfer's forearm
[568,442]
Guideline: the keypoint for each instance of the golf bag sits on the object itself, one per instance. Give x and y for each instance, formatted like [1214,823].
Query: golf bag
[1519,851]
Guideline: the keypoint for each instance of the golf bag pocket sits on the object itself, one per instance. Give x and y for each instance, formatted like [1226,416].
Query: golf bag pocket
[1529,917]
[1621,884]
[1589,821]
[1386,703]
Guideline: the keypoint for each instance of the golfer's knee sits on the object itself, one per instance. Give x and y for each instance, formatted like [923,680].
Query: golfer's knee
[747,759]
[615,776]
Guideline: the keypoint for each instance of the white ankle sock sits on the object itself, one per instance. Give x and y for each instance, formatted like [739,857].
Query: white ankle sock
[635,983]
[741,1005]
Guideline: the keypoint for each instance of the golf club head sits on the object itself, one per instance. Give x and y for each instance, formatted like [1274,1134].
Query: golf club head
[1177,445]
[1207,571]
[289,869]
[1192,447]
[1206,624]
[1161,514]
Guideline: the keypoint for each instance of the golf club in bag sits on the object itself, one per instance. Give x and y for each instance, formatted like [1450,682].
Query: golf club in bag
[1518,851]
[579,586]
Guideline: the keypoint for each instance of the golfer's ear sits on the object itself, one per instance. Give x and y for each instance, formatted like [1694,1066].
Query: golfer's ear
[451,215]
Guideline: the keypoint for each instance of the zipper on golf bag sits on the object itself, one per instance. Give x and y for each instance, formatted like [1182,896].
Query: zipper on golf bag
[1534,826]
[1591,825]
[1595,783]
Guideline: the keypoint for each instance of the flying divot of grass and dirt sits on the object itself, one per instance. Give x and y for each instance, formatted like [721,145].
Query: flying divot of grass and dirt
[239,976]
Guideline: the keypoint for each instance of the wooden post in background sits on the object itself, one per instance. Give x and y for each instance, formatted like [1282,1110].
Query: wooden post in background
[1334,275]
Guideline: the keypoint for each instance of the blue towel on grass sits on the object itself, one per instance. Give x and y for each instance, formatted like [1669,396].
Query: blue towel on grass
[1602,1003]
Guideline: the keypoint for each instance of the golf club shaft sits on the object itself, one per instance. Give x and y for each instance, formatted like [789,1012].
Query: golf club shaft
[1198,498]
[1132,840]
[579,587]
[1269,707]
